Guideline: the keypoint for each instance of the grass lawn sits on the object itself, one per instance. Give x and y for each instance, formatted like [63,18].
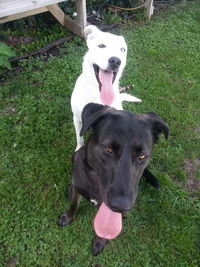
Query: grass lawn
[37,142]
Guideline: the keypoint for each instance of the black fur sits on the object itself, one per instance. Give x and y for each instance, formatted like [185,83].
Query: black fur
[109,166]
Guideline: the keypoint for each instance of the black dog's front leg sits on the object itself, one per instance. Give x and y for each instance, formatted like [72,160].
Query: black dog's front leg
[67,217]
[151,178]
[98,245]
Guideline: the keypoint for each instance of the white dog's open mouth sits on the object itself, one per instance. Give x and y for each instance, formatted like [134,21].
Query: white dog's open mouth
[105,79]
[97,69]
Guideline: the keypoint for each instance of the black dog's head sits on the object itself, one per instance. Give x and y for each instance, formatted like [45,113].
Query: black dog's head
[118,151]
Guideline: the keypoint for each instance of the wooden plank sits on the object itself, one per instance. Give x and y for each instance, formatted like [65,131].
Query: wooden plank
[23,14]
[11,7]
[57,12]
[16,9]
[65,20]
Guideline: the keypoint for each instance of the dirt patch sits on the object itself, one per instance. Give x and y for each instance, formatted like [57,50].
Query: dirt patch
[8,110]
[192,184]
[197,129]
[11,262]
[14,40]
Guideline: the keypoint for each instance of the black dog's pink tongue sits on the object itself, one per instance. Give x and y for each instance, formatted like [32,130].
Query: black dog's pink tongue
[107,94]
[107,223]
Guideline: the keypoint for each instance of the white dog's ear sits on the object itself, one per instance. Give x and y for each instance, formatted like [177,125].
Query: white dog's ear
[90,32]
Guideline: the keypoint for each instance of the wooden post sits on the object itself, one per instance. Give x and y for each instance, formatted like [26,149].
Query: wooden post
[81,18]
[150,9]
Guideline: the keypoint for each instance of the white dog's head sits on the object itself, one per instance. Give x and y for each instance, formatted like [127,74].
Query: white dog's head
[106,56]
[106,51]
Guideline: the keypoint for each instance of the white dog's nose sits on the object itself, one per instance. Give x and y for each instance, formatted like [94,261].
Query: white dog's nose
[114,63]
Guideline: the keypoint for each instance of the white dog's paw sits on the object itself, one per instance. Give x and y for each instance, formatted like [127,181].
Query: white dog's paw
[130,98]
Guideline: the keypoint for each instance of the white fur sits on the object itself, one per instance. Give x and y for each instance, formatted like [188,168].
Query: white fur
[86,89]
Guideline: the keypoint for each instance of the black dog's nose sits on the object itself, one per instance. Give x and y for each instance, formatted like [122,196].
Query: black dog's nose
[120,205]
[114,63]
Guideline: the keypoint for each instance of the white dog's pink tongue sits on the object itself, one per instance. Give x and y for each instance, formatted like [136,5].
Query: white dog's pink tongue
[107,223]
[107,94]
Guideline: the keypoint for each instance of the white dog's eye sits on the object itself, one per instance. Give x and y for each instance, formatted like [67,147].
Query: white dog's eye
[123,49]
[101,45]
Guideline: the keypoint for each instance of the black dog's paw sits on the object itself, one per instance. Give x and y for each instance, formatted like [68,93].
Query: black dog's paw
[98,245]
[64,219]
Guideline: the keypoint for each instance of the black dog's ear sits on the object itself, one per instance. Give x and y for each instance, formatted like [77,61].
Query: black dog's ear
[90,114]
[158,126]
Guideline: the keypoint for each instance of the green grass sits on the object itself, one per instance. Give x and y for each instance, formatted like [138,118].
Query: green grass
[37,142]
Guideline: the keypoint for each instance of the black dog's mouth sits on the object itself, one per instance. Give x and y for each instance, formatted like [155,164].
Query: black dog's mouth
[107,223]
[96,71]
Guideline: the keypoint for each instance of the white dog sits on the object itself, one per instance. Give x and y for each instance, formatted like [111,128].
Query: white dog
[103,65]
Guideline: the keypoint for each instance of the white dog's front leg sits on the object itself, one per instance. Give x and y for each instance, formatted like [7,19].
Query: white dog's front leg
[78,126]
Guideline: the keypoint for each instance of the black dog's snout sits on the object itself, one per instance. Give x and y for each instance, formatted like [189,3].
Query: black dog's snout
[120,204]
[114,63]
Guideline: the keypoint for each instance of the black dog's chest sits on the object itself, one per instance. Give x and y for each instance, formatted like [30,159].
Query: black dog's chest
[84,179]
[90,194]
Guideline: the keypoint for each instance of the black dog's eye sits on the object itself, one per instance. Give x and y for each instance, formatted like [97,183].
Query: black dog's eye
[108,149]
[123,49]
[141,159]
[101,45]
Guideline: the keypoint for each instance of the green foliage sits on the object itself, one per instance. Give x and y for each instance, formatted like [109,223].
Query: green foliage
[68,7]
[110,17]
[5,53]
[121,3]
[36,38]
[32,33]
[22,24]
[124,3]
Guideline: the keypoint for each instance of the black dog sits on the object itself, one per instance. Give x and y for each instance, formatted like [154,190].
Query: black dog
[107,170]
